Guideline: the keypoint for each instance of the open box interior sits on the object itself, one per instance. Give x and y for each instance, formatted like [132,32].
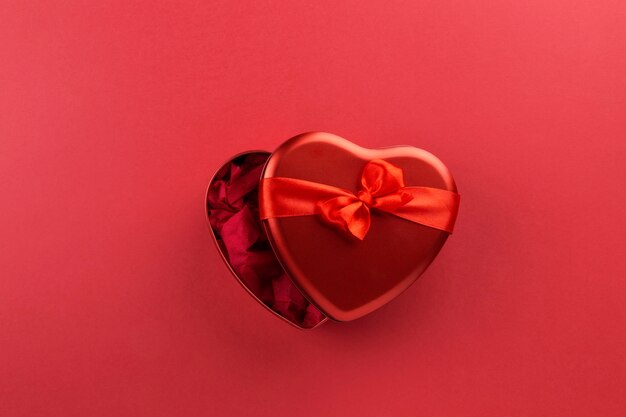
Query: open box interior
[233,211]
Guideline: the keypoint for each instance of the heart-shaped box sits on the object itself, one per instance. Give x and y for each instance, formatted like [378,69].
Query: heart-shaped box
[298,255]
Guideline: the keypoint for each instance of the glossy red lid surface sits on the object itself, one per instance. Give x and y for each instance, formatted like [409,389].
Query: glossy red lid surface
[344,277]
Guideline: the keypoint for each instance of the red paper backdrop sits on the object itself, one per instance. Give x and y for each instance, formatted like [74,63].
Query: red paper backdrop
[114,302]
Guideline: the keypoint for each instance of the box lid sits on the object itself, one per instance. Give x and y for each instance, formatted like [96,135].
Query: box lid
[346,277]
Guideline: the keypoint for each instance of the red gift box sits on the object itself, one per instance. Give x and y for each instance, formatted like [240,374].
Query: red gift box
[322,228]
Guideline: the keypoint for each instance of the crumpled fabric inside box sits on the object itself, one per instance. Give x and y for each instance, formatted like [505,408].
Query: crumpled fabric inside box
[234,217]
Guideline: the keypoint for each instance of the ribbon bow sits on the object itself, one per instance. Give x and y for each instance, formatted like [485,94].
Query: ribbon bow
[382,188]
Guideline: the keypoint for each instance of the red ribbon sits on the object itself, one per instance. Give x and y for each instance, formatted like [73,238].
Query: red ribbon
[382,188]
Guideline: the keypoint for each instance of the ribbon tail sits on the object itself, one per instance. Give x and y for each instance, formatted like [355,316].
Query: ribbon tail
[346,213]
[360,222]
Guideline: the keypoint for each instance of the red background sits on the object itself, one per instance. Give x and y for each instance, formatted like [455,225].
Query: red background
[114,302]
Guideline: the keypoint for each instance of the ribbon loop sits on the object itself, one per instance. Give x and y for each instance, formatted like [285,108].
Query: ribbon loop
[382,189]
